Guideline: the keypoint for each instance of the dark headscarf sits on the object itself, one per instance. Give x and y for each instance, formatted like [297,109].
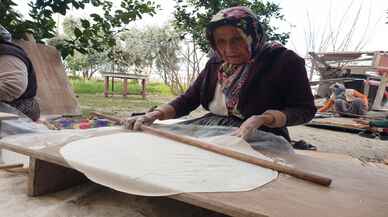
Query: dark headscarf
[242,18]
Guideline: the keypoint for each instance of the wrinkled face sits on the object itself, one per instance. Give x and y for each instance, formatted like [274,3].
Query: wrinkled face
[231,45]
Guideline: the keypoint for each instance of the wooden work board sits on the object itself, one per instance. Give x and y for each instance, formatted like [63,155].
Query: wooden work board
[356,190]
[54,93]
[337,124]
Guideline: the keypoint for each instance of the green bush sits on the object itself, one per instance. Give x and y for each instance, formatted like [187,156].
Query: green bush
[97,86]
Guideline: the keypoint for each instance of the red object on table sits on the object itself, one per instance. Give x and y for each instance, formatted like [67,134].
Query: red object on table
[84,125]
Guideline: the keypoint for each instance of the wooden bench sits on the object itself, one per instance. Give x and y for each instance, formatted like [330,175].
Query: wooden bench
[124,77]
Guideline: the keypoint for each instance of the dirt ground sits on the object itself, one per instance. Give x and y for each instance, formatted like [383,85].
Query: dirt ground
[351,144]
[87,200]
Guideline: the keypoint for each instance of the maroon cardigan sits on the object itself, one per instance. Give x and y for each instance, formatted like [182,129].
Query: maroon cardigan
[279,82]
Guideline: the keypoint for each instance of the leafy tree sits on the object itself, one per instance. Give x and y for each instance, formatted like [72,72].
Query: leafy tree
[88,63]
[134,51]
[97,33]
[159,49]
[192,16]
[12,20]
[167,43]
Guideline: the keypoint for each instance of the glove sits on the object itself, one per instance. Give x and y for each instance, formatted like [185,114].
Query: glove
[134,123]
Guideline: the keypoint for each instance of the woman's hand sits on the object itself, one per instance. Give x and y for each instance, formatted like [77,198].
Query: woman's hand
[251,124]
[134,123]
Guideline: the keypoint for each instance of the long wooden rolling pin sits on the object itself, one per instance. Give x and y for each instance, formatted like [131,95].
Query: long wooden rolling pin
[10,166]
[230,153]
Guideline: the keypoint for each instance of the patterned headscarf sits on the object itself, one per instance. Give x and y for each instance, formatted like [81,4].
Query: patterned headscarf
[242,18]
[233,77]
[338,90]
[4,34]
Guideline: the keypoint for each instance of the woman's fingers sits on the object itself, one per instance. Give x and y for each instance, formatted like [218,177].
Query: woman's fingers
[248,127]
[128,123]
[242,132]
[245,132]
[236,133]
[134,123]
[138,123]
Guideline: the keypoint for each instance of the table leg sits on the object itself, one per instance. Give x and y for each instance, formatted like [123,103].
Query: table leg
[125,87]
[106,86]
[45,177]
[143,88]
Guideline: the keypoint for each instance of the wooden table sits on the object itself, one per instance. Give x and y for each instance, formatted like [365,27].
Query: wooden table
[125,78]
[357,189]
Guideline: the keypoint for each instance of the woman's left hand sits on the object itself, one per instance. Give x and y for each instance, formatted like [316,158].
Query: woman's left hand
[251,124]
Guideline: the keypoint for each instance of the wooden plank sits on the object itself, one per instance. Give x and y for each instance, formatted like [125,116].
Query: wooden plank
[288,196]
[10,166]
[124,75]
[54,94]
[318,59]
[45,177]
[338,124]
[380,92]
[332,80]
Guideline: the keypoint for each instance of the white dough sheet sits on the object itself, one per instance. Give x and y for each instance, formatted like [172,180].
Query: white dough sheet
[143,164]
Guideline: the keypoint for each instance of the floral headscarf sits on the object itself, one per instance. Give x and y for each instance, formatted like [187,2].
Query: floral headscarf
[233,77]
[338,90]
[242,18]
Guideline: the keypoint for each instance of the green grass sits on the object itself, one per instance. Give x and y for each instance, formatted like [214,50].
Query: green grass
[122,106]
[119,105]
[91,98]
[81,86]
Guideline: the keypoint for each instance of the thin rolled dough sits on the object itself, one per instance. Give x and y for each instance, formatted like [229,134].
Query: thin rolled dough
[143,164]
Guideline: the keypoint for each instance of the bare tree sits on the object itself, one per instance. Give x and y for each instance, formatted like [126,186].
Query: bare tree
[178,61]
[193,59]
[338,35]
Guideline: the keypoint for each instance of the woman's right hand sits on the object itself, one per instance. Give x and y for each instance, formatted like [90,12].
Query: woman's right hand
[134,123]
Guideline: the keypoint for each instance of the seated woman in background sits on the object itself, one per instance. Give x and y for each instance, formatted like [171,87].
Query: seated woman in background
[346,101]
[248,83]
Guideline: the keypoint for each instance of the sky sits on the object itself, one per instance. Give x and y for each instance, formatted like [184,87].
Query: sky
[307,21]
[323,15]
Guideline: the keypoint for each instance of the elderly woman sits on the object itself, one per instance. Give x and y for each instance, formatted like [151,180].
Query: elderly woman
[248,83]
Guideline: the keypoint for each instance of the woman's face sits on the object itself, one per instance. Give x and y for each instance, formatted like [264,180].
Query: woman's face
[231,45]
